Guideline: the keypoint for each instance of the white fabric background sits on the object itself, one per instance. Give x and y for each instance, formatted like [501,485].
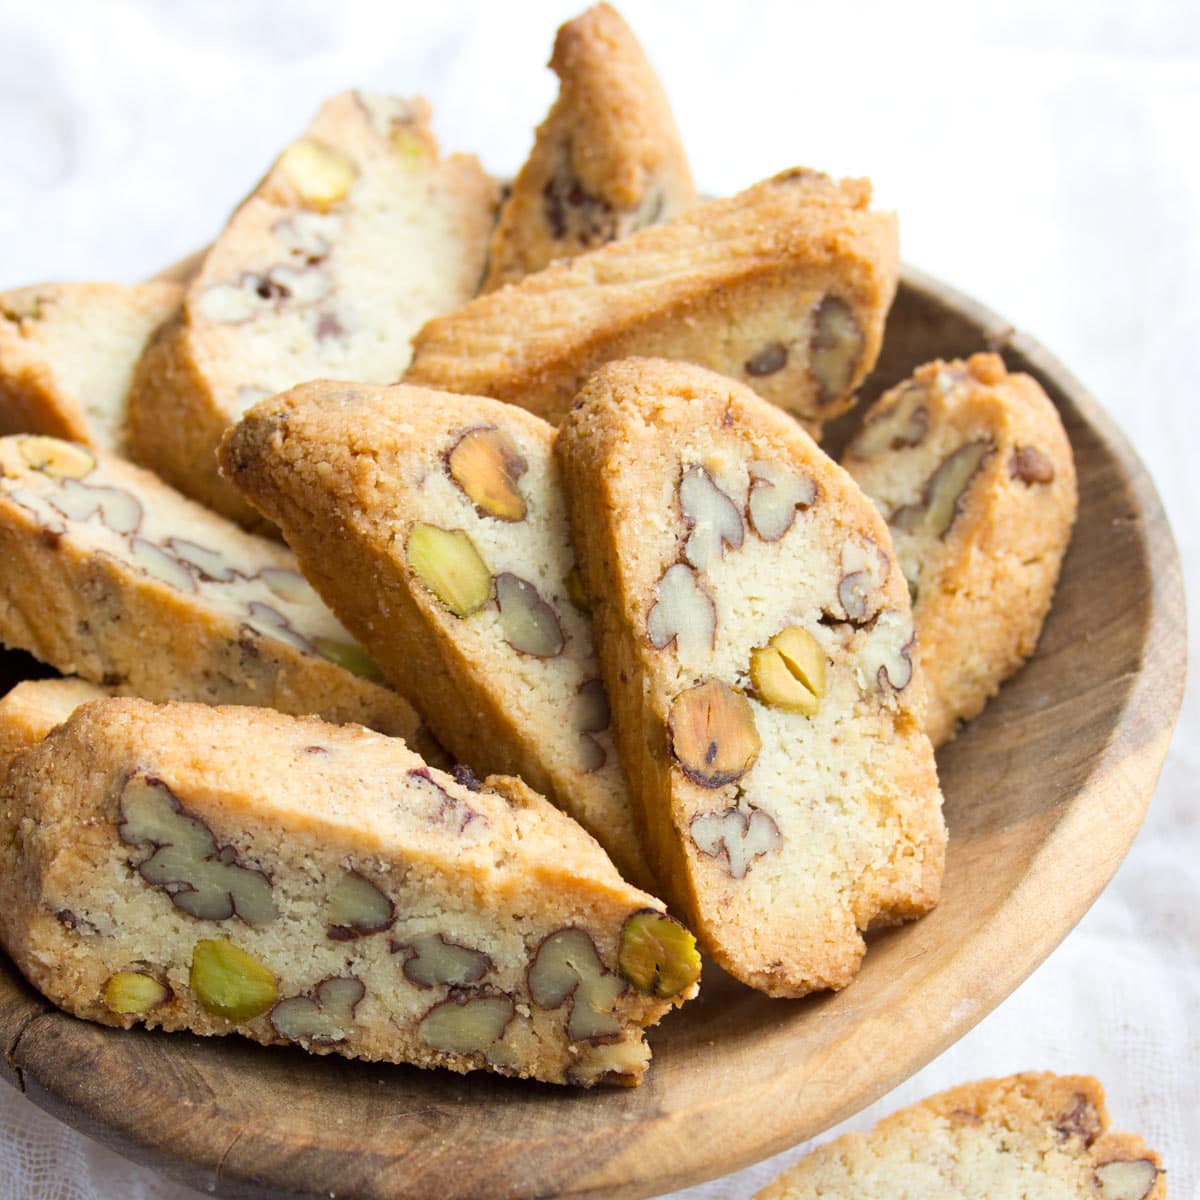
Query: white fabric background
[1042,155]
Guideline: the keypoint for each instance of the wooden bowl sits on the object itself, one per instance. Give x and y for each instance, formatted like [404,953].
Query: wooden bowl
[1044,793]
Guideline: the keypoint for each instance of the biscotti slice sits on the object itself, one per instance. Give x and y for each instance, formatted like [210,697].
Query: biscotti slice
[235,870]
[34,707]
[756,639]
[358,234]
[111,575]
[433,525]
[606,161]
[67,354]
[1027,1137]
[785,287]
[972,468]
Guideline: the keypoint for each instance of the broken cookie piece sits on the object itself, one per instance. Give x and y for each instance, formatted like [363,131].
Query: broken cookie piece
[1029,1135]
[112,576]
[606,162]
[972,468]
[357,235]
[207,869]
[785,286]
[434,526]
[758,657]
[34,707]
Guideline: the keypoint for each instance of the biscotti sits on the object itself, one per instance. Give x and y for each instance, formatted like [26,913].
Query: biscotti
[67,355]
[606,161]
[785,287]
[756,639]
[235,870]
[34,707]
[1027,1137]
[973,470]
[112,576]
[433,525]
[358,234]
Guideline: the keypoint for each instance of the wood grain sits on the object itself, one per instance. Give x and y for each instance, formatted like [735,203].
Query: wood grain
[1044,793]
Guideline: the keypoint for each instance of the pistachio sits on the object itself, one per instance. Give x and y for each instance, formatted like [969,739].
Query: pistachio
[486,464]
[447,563]
[835,349]
[736,836]
[529,624]
[129,993]
[711,516]
[431,960]
[467,1024]
[942,498]
[325,1017]
[350,656]
[713,736]
[229,982]
[657,954]
[775,495]
[683,613]
[357,908]
[1126,1179]
[52,456]
[567,967]
[789,671]
[320,173]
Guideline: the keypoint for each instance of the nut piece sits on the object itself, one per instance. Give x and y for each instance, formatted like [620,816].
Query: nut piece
[467,1024]
[203,879]
[622,1062]
[567,966]
[129,993]
[270,622]
[834,349]
[573,582]
[775,494]
[942,497]
[210,565]
[886,657]
[229,982]
[447,810]
[160,565]
[1030,466]
[118,510]
[289,586]
[349,656]
[771,358]
[357,908]
[789,671]
[321,174]
[683,613]
[737,836]
[325,1017]
[713,736]
[1082,1121]
[863,571]
[658,955]
[591,715]
[1126,1179]
[447,563]
[431,960]
[711,516]
[530,625]
[52,456]
[486,465]
[903,423]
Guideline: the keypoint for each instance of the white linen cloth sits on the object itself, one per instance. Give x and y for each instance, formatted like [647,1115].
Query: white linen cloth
[1043,157]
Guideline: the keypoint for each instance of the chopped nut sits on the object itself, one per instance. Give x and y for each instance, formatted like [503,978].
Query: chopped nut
[567,966]
[203,879]
[1126,1179]
[775,495]
[160,565]
[863,572]
[308,235]
[447,563]
[486,465]
[270,622]
[683,613]
[944,492]
[290,586]
[658,955]
[350,656]
[789,672]
[737,836]
[357,908]
[132,992]
[770,359]
[904,423]
[573,582]
[619,1062]
[117,509]
[886,657]
[835,348]
[431,960]
[711,516]
[467,1024]
[52,456]
[451,812]
[1030,466]
[229,982]
[321,174]
[713,736]
[591,715]
[530,625]
[1081,1120]
[325,1017]
[209,564]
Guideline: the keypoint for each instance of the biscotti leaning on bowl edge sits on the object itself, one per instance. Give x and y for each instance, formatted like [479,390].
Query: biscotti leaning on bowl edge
[756,639]
[606,161]
[111,575]
[358,234]
[433,524]
[1033,1136]
[233,870]
[785,286]
[972,468]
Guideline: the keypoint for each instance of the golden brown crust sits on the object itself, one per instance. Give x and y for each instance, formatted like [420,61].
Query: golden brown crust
[607,160]
[734,285]
[36,706]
